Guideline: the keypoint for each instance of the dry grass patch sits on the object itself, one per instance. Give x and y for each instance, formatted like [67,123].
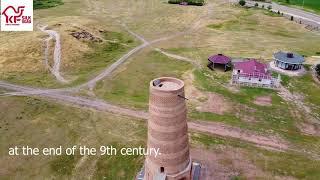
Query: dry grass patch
[263,101]
[37,123]
[215,104]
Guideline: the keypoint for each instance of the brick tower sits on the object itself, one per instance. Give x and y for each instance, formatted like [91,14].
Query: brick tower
[168,130]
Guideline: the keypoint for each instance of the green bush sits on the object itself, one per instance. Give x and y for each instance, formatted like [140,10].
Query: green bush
[242,2]
[44,4]
[190,2]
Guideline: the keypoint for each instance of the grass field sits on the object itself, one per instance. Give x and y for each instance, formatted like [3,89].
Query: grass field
[65,126]
[81,61]
[313,5]
[130,86]
[230,36]
[214,28]
[273,164]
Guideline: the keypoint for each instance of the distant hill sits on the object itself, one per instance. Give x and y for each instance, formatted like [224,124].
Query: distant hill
[44,4]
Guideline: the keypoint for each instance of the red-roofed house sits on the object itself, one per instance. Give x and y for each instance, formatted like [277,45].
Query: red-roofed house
[253,73]
[221,60]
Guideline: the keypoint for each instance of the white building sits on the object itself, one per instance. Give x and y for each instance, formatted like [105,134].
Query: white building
[254,73]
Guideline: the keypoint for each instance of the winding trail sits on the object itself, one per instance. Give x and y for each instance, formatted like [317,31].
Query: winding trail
[178,57]
[55,70]
[108,71]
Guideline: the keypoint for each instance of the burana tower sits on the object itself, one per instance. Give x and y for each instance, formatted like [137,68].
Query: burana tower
[168,131]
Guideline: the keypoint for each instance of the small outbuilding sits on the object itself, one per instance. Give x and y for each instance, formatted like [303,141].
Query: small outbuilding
[288,61]
[253,73]
[219,60]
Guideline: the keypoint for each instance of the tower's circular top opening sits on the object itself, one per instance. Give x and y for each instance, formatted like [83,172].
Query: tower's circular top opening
[167,84]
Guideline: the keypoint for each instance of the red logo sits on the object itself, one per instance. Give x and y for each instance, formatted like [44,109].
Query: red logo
[15,16]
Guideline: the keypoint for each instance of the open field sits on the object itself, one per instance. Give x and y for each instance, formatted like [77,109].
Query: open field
[129,87]
[81,59]
[66,126]
[291,114]
[267,35]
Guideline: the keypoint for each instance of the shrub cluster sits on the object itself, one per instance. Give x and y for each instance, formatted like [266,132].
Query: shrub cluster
[190,2]
[242,2]
[44,4]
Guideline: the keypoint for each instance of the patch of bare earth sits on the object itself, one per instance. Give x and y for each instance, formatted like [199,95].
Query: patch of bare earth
[215,104]
[225,162]
[220,129]
[192,92]
[204,101]
[245,113]
[86,167]
[310,126]
[297,99]
[309,129]
[315,76]
[263,101]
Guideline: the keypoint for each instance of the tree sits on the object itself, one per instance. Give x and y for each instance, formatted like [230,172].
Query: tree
[242,2]
[318,69]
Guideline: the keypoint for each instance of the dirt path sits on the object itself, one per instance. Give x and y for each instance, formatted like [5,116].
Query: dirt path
[178,57]
[64,98]
[108,71]
[214,128]
[55,70]
[238,133]
[96,104]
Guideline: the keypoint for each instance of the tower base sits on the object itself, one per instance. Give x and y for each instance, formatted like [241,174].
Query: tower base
[192,172]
